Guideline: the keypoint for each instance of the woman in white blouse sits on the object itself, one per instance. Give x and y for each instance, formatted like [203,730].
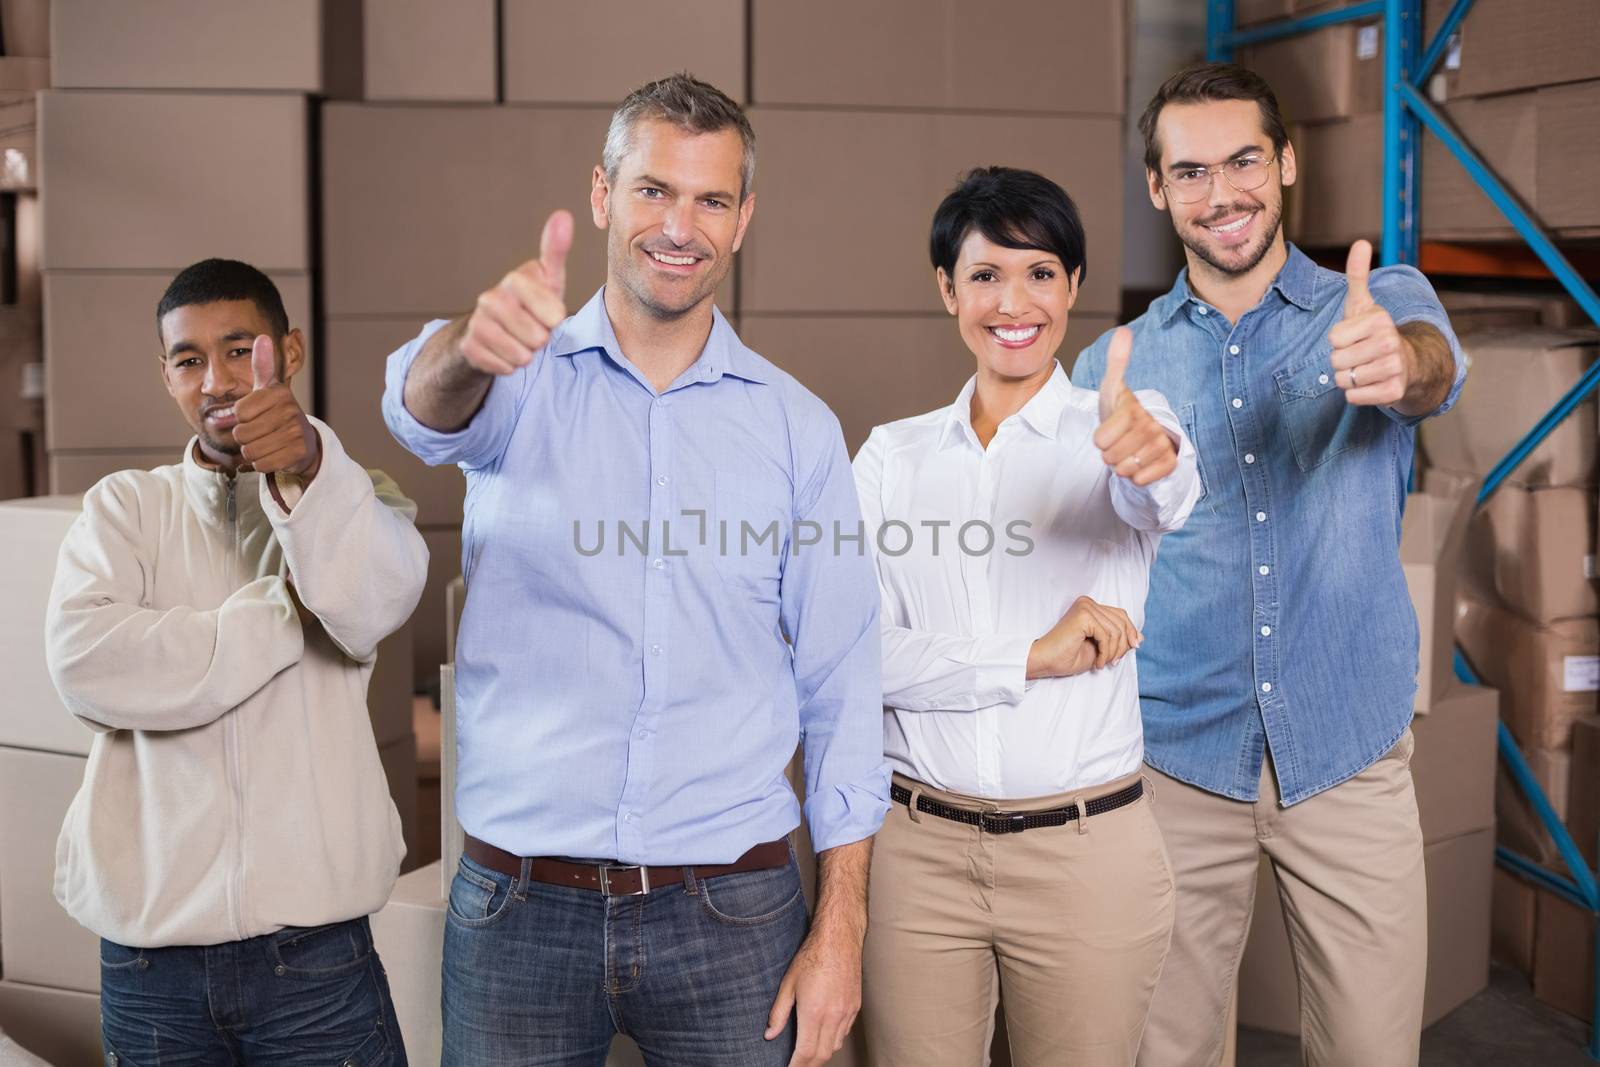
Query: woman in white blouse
[1014,531]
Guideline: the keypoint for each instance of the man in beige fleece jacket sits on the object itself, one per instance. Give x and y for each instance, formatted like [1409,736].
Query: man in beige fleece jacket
[215,623]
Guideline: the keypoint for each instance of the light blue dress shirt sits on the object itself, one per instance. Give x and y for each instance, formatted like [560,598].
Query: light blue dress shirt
[1278,616]
[666,591]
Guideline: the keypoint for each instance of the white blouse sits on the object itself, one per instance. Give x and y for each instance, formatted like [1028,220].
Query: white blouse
[980,552]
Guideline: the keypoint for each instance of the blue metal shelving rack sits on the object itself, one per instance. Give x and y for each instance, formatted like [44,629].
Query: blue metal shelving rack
[1407,66]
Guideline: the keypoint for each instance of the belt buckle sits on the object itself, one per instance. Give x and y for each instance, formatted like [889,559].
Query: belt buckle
[605,880]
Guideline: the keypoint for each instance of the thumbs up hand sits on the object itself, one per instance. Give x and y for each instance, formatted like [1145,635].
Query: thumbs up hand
[513,320]
[1133,444]
[1371,361]
[272,432]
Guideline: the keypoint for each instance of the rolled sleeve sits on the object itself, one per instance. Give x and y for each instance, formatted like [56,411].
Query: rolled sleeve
[1406,295]
[476,444]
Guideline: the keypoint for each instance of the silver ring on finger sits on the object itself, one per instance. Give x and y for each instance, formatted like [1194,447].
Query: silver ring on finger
[1137,462]
[1353,382]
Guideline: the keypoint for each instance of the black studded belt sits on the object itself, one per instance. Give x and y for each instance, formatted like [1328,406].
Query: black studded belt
[1014,822]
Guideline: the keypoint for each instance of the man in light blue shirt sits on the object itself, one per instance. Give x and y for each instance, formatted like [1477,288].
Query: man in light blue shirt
[668,588]
[1280,657]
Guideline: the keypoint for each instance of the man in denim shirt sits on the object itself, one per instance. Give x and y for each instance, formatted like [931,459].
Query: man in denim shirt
[1278,621]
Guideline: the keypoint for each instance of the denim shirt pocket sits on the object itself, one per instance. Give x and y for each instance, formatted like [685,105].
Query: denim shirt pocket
[1320,423]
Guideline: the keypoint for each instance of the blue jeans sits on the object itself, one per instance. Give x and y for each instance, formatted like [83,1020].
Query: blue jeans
[301,996]
[538,974]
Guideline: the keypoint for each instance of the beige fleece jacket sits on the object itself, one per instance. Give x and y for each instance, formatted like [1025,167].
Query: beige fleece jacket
[233,785]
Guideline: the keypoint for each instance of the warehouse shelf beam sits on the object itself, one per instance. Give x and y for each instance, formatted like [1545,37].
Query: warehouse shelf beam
[1405,112]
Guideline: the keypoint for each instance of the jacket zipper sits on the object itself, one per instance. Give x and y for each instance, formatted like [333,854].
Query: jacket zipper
[230,732]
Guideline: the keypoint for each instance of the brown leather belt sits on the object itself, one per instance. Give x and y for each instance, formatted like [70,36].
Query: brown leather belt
[620,880]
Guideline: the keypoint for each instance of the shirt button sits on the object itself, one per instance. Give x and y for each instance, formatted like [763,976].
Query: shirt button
[659,564]
[661,480]
[1322,379]
[655,650]
[1233,350]
[1204,310]
[1261,516]
[1266,687]
[644,735]
[1238,403]
[1249,457]
[628,817]
[1265,569]
[1266,631]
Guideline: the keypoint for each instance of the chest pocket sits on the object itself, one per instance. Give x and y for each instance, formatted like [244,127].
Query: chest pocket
[750,532]
[1318,420]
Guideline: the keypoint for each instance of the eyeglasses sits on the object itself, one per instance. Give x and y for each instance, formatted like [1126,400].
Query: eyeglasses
[1245,173]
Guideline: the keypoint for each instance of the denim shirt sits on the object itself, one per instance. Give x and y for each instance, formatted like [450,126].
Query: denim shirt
[1278,616]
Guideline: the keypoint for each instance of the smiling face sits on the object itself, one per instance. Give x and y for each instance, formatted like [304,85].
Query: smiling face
[1230,230]
[673,216]
[206,367]
[1011,305]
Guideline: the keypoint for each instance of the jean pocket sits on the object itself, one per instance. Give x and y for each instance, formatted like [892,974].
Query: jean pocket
[752,898]
[1320,422]
[478,897]
[316,953]
[115,957]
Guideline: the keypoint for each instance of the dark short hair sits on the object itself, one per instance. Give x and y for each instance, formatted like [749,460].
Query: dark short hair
[1212,81]
[691,105]
[211,280]
[1014,209]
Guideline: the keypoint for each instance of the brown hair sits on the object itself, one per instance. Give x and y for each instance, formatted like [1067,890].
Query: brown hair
[691,105]
[1212,81]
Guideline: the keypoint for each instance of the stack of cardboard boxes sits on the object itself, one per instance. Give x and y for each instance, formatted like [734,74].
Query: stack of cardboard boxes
[1453,770]
[1522,84]
[1529,614]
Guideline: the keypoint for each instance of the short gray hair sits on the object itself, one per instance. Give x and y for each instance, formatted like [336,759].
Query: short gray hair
[688,103]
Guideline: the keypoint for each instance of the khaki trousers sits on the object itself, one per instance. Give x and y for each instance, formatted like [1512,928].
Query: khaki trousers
[1350,878]
[1071,925]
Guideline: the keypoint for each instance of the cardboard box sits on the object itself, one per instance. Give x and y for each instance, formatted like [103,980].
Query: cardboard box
[814,204]
[399,759]
[1513,921]
[390,688]
[102,355]
[1507,45]
[444,564]
[548,48]
[1459,875]
[39,942]
[26,26]
[1505,131]
[188,44]
[1332,73]
[1563,956]
[34,717]
[421,50]
[875,370]
[1515,378]
[486,169]
[1583,791]
[1473,311]
[1431,536]
[1453,767]
[1548,676]
[942,54]
[1518,827]
[59,1025]
[129,188]
[358,350]
[1253,12]
[1532,551]
[1569,150]
[73,472]
[1338,198]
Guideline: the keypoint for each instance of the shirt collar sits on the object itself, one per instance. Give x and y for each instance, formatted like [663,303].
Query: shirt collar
[1042,413]
[1296,281]
[590,330]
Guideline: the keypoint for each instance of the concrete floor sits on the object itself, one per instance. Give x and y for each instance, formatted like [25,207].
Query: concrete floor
[1501,1027]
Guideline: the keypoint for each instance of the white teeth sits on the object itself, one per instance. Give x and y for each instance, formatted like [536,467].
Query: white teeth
[220,413]
[1232,227]
[676,261]
[1020,334]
